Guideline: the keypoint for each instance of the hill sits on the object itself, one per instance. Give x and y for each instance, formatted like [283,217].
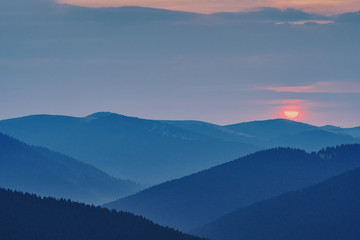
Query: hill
[313,140]
[154,151]
[25,216]
[146,151]
[197,199]
[47,173]
[213,130]
[355,132]
[270,129]
[329,210]
[275,133]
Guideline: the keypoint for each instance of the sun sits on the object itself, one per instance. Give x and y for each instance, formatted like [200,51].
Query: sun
[292,109]
[291,114]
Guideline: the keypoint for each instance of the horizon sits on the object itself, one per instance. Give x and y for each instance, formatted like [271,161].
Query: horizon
[155,119]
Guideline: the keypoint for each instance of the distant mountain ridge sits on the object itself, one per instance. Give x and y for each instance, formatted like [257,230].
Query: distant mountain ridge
[329,210]
[41,171]
[146,151]
[203,197]
[154,151]
[275,133]
[313,140]
[26,216]
[355,132]
[269,129]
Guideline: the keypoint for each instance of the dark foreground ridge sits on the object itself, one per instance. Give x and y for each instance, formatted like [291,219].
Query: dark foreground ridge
[326,211]
[27,217]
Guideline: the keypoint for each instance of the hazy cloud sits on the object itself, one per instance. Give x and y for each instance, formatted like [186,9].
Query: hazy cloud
[320,87]
[307,21]
[205,6]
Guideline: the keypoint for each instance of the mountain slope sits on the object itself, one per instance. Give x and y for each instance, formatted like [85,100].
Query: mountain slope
[275,133]
[25,216]
[329,210]
[151,152]
[197,199]
[41,171]
[270,129]
[131,148]
[212,130]
[354,132]
[313,140]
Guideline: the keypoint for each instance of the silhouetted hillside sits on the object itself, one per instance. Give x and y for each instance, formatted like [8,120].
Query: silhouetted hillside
[130,148]
[270,129]
[216,131]
[275,133]
[197,199]
[313,140]
[41,171]
[151,151]
[354,132]
[28,217]
[326,211]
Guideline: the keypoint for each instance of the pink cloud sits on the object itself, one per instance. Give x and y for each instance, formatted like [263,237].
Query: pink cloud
[307,21]
[206,6]
[285,102]
[320,87]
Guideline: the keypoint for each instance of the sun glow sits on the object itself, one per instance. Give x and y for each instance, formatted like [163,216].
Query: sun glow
[291,114]
[292,109]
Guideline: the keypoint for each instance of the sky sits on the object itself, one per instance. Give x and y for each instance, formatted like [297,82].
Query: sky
[206,6]
[156,64]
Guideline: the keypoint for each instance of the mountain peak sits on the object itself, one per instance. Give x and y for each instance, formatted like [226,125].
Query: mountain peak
[98,115]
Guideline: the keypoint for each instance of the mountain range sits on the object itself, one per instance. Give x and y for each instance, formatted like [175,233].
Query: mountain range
[200,198]
[329,210]
[276,133]
[261,180]
[146,151]
[154,151]
[47,173]
[194,203]
[26,216]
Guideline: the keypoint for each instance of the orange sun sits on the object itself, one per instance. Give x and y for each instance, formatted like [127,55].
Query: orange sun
[291,114]
[291,109]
